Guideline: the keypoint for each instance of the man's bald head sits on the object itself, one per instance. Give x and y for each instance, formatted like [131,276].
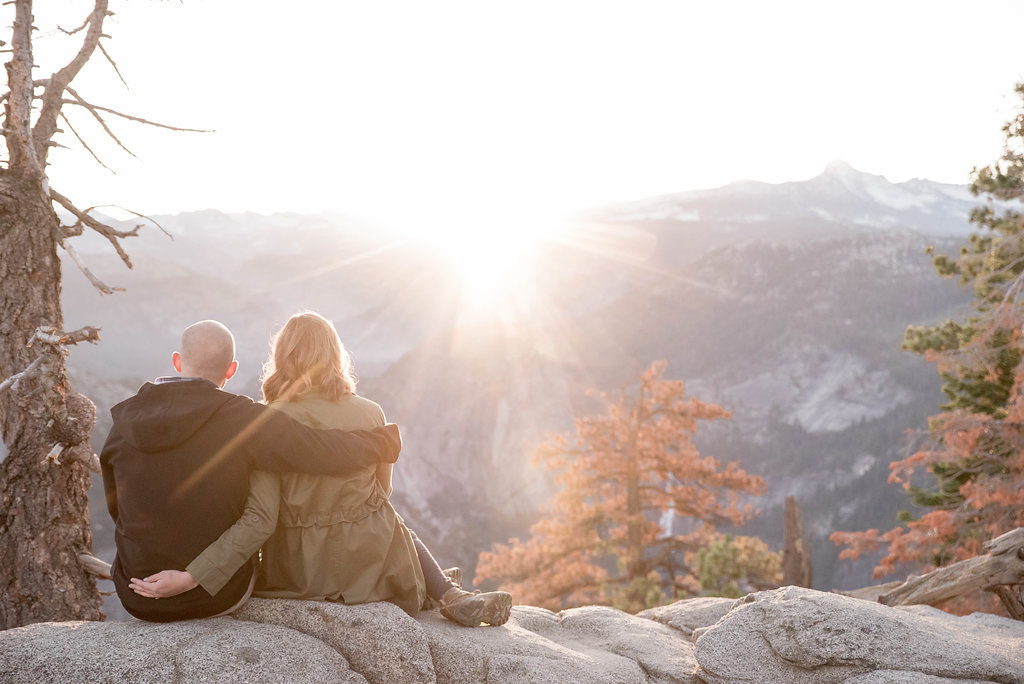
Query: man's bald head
[207,351]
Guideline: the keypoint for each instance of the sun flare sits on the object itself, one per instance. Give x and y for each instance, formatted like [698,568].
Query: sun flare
[491,268]
[492,260]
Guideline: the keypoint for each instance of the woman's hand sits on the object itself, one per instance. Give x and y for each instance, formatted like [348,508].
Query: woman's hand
[164,584]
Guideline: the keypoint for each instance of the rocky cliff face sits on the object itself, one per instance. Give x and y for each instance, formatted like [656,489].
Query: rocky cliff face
[785,303]
[786,636]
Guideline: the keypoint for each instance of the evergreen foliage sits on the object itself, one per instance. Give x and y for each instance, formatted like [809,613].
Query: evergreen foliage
[735,566]
[975,452]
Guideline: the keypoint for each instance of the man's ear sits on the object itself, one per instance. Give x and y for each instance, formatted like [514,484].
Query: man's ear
[176,360]
[231,370]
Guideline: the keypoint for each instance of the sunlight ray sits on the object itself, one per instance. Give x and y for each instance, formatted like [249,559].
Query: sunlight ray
[617,243]
[333,265]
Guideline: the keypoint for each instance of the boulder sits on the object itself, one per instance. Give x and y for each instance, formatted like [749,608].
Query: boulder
[215,650]
[795,635]
[690,614]
[379,640]
[511,654]
[663,653]
[590,644]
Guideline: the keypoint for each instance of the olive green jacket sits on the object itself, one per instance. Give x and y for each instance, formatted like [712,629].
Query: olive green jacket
[333,538]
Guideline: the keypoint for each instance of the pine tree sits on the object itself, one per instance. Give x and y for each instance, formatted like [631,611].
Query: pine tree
[733,566]
[600,539]
[975,451]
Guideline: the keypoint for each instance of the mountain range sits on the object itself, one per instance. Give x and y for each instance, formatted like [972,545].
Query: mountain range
[785,303]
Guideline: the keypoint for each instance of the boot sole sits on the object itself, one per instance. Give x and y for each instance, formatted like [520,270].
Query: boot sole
[497,608]
[492,608]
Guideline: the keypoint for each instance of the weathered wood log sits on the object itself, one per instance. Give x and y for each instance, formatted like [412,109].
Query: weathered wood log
[1012,600]
[873,592]
[996,571]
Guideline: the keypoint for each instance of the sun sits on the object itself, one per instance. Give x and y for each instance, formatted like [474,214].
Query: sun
[492,259]
[492,267]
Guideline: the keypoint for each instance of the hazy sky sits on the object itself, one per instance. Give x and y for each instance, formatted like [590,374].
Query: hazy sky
[424,110]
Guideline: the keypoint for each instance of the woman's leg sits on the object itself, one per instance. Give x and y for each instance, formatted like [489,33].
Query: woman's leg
[437,582]
[466,608]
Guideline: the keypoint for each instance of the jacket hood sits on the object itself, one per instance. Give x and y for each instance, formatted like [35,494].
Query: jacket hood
[164,416]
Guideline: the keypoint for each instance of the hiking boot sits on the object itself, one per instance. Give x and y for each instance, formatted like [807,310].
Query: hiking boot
[470,609]
[455,575]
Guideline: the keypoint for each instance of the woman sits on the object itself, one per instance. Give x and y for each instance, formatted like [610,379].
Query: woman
[326,538]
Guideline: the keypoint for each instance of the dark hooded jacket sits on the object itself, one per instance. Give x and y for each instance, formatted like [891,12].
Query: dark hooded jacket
[176,471]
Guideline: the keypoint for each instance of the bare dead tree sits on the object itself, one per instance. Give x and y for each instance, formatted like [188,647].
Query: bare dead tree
[796,552]
[47,571]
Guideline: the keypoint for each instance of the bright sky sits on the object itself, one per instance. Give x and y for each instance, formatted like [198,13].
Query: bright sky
[419,111]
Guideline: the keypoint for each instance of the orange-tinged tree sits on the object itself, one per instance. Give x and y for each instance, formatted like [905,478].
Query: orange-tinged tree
[600,539]
[983,459]
[973,462]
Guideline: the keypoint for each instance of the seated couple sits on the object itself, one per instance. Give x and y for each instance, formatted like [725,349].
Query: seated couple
[198,480]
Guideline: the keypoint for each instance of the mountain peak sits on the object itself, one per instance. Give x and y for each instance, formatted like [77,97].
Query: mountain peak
[840,168]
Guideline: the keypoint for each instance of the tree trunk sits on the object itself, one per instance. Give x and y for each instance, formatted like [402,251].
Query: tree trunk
[44,518]
[796,556]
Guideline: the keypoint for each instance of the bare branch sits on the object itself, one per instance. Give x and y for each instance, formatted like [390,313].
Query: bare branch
[141,216]
[53,94]
[82,453]
[95,566]
[96,282]
[97,108]
[18,110]
[65,231]
[77,30]
[96,115]
[59,338]
[113,236]
[85,144]
[113,64]
[53,457]
[38,83]
[16,379]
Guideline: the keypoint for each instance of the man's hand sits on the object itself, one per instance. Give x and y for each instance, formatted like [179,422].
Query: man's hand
[164,584]
[392,445]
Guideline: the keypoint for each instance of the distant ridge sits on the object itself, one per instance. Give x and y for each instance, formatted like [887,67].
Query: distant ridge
[840,195]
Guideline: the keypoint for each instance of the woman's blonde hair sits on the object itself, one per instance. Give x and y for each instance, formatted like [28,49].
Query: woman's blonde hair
[307,354]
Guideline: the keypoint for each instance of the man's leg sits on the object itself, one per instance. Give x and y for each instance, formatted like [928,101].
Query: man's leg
[241,601]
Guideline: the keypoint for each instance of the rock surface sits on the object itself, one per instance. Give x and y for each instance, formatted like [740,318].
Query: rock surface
[804,636]
[378,640]
[691,614]
[214,650]
[786,635]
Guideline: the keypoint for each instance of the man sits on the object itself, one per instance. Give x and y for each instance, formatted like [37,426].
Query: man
[176,469]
